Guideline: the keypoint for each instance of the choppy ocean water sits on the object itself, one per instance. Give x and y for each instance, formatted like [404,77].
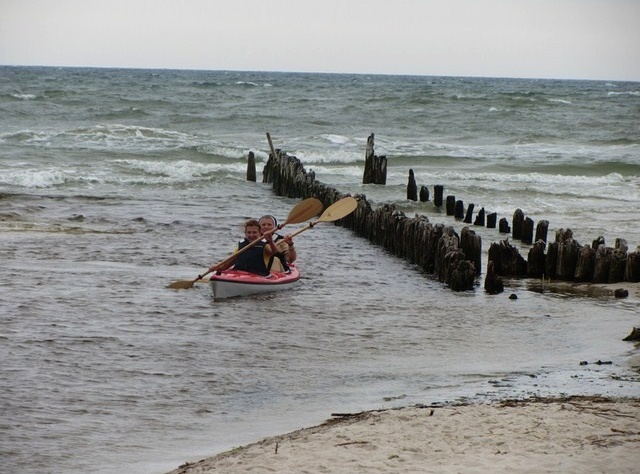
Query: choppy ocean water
[115,182]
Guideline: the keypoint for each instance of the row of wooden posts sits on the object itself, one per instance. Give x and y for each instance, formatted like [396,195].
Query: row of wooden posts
[565,258]
[455,259]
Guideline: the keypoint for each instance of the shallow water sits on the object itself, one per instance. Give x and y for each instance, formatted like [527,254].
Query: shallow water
[111,190]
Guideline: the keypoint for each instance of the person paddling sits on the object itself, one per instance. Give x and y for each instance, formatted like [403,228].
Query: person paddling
[286,252]
[253,259]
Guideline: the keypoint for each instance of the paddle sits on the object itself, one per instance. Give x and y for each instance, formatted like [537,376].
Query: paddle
[335,211]
[303,211]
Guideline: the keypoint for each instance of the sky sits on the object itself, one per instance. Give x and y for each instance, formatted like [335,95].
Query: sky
[562,39]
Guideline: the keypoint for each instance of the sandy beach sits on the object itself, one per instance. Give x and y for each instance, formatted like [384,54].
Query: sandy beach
[568,435]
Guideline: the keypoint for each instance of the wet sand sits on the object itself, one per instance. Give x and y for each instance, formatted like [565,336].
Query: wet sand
[568,435]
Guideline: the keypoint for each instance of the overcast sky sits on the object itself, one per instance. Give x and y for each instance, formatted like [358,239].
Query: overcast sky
[566,39]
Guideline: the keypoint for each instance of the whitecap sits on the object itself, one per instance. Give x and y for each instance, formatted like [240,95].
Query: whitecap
[22,96]
[33,178]
[615,93]
[337,139]
[560,101]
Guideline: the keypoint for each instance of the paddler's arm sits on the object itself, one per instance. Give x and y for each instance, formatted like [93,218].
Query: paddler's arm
[290,252]
[273,248]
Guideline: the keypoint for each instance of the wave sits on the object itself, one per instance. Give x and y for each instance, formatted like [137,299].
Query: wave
[23,96]
[130,138]
[616,94]
[123,172]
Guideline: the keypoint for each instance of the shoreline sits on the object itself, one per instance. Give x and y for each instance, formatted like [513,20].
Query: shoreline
[572,434]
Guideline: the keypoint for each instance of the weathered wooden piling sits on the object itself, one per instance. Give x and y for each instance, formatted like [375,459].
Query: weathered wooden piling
[503,226]
[424,194]
[518,219]
[632,272]
[375,167]
[458,211]
[429,246]
[492,218]
[618,261]
[469,214]
[527,231]
[541,230]
[507,260]
[412,187]
[536,260]
[568,251]
[493,283]
[585,264]
[450,205]
[251,167]
[471,245]
[454,260]
[479,218]
[438,193]
[634,335]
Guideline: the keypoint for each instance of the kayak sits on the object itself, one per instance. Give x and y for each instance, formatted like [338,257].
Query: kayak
[230,283]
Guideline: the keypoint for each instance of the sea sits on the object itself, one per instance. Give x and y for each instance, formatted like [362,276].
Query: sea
[116,182]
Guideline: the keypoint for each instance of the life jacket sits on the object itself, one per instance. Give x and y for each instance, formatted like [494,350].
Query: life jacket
[252,260]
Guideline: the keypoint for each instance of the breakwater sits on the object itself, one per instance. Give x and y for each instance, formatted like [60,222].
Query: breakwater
[436,248]
[455,258]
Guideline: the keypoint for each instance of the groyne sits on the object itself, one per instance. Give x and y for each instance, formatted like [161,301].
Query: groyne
[455,258]
[452,258]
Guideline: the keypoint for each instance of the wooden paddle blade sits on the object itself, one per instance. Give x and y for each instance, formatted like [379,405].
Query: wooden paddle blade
[303,211]
[339,209]
[181,284]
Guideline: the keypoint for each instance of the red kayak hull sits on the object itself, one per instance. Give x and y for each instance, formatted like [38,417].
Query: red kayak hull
[230,283]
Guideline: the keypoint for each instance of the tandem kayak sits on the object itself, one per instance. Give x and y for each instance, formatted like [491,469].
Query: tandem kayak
[230,283]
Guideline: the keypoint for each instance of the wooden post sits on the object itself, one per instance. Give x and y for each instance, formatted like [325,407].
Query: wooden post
[469,214]
[507,259]
[412,187]
[536,260]
[451,205]
[541,230]
[375,167]
[492,282]
[459,210]
[479,218]
[503,227]
[632,272]
[585,264]
[438,193]
[492,218]
[568,251]
[518,219]
[618,262]
[251,167]
[527,231]
[471,245]
[424,194]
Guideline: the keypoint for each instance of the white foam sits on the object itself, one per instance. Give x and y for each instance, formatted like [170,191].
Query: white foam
[23,96]
[33,178]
